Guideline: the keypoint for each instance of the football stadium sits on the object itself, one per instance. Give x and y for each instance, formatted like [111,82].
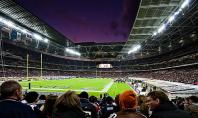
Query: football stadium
[99,59]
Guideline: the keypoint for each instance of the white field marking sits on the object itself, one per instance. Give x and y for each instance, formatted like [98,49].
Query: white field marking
[106,88]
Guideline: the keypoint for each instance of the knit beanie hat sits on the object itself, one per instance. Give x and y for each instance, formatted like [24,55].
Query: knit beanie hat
[128,100]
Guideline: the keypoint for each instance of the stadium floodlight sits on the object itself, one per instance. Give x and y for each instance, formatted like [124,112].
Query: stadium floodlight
[72,52]
[177,12]
[154,33]
[161,28]
[1,19]
[38,37]
[10,24]
[46,40]
[171,18]
[184,4]
[134,49]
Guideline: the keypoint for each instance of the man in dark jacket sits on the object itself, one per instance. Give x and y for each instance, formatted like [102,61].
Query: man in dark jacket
[87,106]
[108,107]
[162,107]
[10,105]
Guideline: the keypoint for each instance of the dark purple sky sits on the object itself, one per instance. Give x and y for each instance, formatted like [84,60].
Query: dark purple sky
[99,21]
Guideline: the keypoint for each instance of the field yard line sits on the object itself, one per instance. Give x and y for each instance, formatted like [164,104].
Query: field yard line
[107,87]
[64,89]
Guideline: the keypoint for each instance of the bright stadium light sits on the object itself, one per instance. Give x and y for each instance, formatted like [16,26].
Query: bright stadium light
[171,19]
[37,36]
[46,40]
[184,4]
[72,52]
[10,24]
[1,19]
[134,49]
[154,33]
[161,28]
[177,12]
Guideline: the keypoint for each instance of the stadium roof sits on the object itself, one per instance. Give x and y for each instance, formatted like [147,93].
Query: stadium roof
[8,8]
[160,26]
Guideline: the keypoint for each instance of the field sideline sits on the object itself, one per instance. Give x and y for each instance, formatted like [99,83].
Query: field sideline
[94,86]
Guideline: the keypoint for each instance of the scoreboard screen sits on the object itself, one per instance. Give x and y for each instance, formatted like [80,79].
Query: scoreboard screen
[105,66]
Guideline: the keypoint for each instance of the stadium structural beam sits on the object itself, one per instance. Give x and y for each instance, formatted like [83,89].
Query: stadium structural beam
[159,5]
[150,27]
[141,34]
[151,18]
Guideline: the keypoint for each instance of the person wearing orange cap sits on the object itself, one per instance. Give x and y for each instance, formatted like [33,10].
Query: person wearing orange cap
[128,105]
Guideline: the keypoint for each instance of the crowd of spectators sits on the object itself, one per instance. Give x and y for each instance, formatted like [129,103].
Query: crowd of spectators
[188,75]
[155,104]
[181,61]
[14,63]
[182,75]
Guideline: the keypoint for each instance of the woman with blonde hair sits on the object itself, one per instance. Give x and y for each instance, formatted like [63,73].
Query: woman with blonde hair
[142,107]
[68,106]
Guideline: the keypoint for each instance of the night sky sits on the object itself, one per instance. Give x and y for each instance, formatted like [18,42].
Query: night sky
[99,21]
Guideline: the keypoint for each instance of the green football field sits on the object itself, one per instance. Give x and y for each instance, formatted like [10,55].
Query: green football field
[94,86]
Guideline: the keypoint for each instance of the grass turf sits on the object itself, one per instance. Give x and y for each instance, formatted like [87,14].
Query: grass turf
[92,86]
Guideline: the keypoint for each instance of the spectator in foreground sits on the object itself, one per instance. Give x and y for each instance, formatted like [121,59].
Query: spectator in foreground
[94,101]
[31,99]
[128,105]
[47,108]
[162,107]
[192,106]
[142,107]
[108,108]
[10,106]
[68,106]
[41,100]
[87,106]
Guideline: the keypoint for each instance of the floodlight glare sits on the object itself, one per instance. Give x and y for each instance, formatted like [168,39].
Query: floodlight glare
[177,12]
[154,33]
[37,36]
[10,24]
[72,52]
[134,49]
[171,18]
[161,28]
[1,19]
[185,3]
[46,40]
